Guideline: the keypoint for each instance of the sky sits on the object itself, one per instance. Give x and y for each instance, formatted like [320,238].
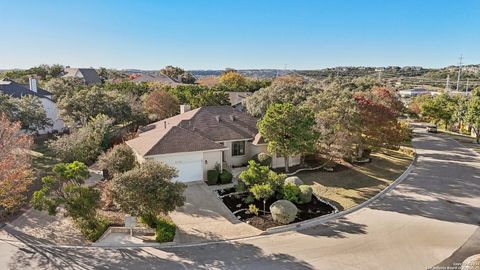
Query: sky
[241,34]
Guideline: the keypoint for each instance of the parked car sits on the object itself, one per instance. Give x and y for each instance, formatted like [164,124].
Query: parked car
[432,128]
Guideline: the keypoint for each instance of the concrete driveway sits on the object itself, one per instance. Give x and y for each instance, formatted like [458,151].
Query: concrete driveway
[430,218]
[205,218]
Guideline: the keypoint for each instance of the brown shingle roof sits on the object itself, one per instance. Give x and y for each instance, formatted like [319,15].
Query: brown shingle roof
[211,123]
[172,140]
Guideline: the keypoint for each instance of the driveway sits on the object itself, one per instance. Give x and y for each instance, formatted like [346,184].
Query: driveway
[430,218]
[205,218]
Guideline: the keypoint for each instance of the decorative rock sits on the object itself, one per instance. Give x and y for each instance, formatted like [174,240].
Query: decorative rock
[295,180]
[305,194]
[283,211]
[471,263]
[239,205]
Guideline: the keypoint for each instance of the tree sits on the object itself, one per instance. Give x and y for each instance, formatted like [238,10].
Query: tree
[439,108]
[84,144]
[148,190]
[288,130]
[178,74]
[262,192]
[64,187]
[160,104]
[473,115]
[209,98]
[118,159]
[233,80]
[64,86]
[15,164]
[336,120]
[281,91]
[27,110]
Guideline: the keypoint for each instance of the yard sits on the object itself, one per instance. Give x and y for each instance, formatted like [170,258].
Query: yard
[350,185]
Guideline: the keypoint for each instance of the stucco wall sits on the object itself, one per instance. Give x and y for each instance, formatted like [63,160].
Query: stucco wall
[237,160]
[210,159]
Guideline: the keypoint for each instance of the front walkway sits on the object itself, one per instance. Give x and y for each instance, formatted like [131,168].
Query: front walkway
[204,217]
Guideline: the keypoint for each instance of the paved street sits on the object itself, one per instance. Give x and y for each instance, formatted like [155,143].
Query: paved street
[433,214]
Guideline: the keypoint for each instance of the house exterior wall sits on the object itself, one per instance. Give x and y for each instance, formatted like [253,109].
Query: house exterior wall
[237,161]
[210,159]
[277,162]
[53,114]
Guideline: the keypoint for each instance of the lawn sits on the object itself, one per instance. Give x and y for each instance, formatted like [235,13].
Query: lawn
[42,159]
[350,185]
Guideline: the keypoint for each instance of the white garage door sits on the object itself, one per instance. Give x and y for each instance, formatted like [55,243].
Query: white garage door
[189,170]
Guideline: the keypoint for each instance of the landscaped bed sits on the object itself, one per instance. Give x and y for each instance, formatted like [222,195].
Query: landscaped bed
[235,202]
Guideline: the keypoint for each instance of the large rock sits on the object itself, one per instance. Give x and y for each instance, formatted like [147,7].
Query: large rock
[471,263]
[295,180]
[283,211]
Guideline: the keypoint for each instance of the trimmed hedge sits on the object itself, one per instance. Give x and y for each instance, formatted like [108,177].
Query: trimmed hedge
[263,158]
[212,177]
[165,231]
[225,177]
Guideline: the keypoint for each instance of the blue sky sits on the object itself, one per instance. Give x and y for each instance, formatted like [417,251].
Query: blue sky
[239,34]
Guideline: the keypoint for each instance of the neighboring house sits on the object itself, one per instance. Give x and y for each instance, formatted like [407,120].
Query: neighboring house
[17,90]
[159,78]
[89,75]
[237,99]
[197,140]
[416,92]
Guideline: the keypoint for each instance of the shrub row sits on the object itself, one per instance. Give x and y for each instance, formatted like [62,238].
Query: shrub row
[214,177]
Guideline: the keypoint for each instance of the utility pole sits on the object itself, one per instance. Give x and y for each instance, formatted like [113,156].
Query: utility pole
[448,83]
[459,70]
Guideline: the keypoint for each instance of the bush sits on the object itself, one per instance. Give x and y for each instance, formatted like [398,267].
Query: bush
[118,159]
[93,228]
[249,199]
[241,186]
[252,208]
[149,220]
[263,158]
[283,211]
[305,195]
[294,180]
[165,231]
[226,177]
[291,192]
[212,177]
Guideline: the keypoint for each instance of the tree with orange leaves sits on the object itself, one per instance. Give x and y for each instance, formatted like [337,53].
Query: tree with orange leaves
[15,164]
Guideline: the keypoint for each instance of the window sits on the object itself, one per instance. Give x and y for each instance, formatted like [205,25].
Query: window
[238,148]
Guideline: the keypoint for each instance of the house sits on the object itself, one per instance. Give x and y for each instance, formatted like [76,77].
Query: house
[158,78]
[237,99]
[17,90]
[416,92]
[88,75]
[201,139]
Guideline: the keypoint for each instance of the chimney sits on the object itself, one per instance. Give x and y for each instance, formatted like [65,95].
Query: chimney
[217,117]
[33,84]
[184,108]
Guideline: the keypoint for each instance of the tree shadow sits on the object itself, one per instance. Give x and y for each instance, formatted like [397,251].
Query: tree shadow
[338,228]
[225,255]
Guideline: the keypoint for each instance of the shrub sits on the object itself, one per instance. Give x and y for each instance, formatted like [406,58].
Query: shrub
[240,187]
[118,159]
[295,180]
[165,231]
[249,199]
[291,192]
[252,208]
[262,192]
[305,195]
[212,177]
[93,228]
[263,158]
[283,211]
[149,220]
[226,177]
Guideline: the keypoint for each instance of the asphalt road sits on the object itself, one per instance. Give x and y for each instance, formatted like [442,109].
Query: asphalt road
[430,219]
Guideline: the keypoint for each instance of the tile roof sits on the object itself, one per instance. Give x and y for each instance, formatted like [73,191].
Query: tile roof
[17,90]
[214,123]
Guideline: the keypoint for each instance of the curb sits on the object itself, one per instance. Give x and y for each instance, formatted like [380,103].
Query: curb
[323,219]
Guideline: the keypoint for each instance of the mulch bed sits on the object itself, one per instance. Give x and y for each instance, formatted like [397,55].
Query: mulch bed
[263,221]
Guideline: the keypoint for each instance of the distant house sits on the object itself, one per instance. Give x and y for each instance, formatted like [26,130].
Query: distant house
[197,140]
[17,90]
[158,78]
[88,75]
[416,92]
[237,99]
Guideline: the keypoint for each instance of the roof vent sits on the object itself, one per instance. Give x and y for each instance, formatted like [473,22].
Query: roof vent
[217,117]
[232,117]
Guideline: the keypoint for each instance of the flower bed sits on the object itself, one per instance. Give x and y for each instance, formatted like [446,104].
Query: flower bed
[235,202]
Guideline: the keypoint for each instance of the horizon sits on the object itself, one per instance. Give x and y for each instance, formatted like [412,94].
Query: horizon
[247,35]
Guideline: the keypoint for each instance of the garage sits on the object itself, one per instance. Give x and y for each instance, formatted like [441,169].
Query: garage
[189,165]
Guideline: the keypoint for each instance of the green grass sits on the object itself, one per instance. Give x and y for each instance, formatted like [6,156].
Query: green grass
[350,185]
